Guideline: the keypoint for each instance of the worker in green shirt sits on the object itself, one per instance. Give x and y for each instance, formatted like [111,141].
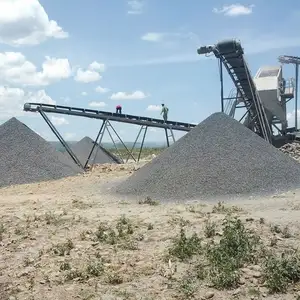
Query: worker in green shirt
[164,112]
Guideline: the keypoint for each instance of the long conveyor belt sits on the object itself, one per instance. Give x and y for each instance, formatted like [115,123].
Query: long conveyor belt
[97,114]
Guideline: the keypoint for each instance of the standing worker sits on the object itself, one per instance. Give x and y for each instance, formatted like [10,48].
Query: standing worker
[118,109]
[164,112]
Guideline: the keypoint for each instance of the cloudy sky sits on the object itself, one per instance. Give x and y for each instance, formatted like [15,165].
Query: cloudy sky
[138,53]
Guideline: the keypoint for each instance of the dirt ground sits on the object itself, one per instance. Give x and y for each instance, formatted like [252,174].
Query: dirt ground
[51,238]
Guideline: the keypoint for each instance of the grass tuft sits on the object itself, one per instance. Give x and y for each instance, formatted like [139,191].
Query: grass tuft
[236,247]
[221,208]
[281,271]
[149,201]
[210,229]
[2,231]
[95,268]
[121,235]
[63,249]
[184,247]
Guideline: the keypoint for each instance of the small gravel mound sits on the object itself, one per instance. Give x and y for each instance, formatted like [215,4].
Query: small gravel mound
[25,157]
[219,157]
[100,155]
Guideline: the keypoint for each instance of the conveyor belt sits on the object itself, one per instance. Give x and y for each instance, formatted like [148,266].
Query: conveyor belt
[97,114]
[231,54]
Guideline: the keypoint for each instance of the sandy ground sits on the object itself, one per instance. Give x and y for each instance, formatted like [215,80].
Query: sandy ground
[48,235]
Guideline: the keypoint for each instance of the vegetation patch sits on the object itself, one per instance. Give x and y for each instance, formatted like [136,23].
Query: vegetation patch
[184,247]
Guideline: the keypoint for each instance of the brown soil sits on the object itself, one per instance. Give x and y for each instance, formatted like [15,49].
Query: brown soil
[41,221]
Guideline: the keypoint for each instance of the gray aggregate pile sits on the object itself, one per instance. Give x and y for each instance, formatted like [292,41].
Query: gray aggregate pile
[82,149]
[219,157]
[25,157]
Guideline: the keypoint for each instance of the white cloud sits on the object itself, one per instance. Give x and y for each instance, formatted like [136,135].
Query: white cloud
[16,69]
[12,100]
[97,66]
[97,104]
[87,76]
[290,116]
[135,7]
[91,74]
[39,97]
[58,121]
[101,90]
[153,36]
[54,68]
[84,94]
[25,22]
[153,107]
[172,38]
[234,10]
[128,96]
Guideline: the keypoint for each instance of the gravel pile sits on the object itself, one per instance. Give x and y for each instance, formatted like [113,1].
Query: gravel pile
[25,157]
[83,148]
[219,157]
[292,149]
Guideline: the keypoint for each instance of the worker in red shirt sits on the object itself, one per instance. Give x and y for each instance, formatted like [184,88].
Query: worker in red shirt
[118,109]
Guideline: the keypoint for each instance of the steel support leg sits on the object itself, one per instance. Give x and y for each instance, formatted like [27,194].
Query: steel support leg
[167,137]
[142,144]
[172,135]
[101,135]
[60,138]
[296,97]
[121,141]
[101,132]
[222,85]
[133,146]
[111,137]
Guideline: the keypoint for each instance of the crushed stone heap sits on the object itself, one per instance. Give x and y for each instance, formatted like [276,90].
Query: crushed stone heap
[83,148]
[25,157]
[292,149]
[219,157]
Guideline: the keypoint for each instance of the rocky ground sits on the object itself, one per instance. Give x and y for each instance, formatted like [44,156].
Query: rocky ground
[292,149]
[71,239]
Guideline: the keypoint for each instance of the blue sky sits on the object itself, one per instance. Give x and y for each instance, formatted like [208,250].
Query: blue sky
[141,52]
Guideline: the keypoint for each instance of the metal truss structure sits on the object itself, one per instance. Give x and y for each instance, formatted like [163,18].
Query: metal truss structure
[107,126]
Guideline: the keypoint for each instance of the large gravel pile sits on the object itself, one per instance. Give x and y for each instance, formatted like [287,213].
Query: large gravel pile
[25,157]
[219,157]
[83,148]
[292,149]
